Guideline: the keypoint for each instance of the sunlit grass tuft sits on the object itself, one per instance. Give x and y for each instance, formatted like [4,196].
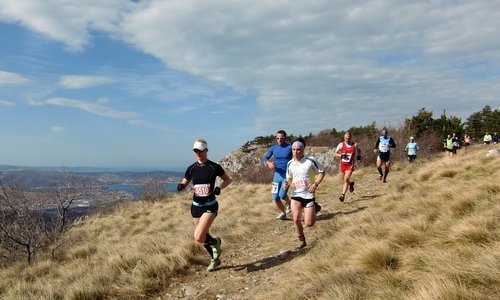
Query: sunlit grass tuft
[376,256]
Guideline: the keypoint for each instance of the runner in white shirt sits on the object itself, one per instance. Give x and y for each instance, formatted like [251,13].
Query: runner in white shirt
[383,148]
[300,174]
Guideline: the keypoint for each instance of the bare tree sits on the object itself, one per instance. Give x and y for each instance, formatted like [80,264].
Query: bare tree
[32,221]
[22,226]
[154,190]
[64,195]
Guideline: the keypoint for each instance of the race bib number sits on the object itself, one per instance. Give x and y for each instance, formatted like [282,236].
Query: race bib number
[383,147]
[274,188]
[346,157]
[201,190]
[300,184]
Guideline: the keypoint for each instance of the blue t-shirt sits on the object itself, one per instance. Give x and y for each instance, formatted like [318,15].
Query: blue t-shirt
[412,148]
[282,154]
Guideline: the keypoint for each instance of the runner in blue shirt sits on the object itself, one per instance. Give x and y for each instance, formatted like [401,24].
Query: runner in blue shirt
[282,152]
[412,149]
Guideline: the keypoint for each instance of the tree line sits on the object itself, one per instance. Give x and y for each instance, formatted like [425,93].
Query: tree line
[420,125]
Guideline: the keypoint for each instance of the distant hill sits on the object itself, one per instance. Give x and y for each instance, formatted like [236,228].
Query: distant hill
[31,177]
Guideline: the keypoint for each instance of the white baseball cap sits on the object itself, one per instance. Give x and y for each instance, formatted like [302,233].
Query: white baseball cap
[199,145]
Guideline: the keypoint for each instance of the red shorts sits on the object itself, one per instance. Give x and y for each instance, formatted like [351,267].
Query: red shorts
[346,167]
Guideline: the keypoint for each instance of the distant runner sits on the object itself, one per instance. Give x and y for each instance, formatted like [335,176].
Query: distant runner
[412,148]
[383,148]
[282,152]
[300,174]
[348,152]
[203,174]
[448,145]
[487,138]
[466,142]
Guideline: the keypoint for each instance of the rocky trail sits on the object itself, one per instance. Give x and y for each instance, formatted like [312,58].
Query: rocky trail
[255,265]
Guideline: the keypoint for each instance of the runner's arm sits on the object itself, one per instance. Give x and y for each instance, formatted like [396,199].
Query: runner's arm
[393,144]
[225,181]
[268,155]
[376,146]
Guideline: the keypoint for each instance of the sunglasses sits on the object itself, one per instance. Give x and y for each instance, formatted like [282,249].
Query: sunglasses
[198,151]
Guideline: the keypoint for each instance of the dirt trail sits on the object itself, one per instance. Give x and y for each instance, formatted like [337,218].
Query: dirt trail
[255,266]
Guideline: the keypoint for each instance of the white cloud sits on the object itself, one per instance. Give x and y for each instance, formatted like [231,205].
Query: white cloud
[57,129]
[69,22]
[312,63]
[95,108]
[80,82]
[6,103]
[315,63]
[9,78]
[142,123]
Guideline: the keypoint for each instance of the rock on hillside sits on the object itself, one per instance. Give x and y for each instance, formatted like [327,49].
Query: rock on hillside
[238,160]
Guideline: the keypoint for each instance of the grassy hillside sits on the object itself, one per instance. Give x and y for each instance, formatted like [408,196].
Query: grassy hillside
[431,232]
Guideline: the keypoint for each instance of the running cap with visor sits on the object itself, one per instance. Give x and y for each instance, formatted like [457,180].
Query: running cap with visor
[200,145]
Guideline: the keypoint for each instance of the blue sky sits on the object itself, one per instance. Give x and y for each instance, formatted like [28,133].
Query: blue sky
[115,83]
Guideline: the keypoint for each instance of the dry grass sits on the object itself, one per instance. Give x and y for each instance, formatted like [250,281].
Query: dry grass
[431,232]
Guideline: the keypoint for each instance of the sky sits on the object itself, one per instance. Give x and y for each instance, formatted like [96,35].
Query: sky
[116,83]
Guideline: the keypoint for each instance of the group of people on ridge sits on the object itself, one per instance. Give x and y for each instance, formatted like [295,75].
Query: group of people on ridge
[452,142]
[292,168]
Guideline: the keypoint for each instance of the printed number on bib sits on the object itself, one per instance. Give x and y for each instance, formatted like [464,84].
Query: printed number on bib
[202,190]
[300,184]
[346,157]
[274,188]
[383,147]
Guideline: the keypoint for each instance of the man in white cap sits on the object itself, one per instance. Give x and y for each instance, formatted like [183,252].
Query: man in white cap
[412,148]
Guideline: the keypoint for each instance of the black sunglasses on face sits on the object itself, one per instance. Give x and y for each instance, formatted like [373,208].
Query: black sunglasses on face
[198,151]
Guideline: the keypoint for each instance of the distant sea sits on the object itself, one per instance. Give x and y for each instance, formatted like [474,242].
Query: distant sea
[135,189]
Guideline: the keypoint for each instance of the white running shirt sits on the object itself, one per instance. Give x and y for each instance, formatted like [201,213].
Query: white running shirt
[302,174]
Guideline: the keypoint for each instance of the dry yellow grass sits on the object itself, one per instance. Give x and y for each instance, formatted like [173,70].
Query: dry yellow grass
[431,232]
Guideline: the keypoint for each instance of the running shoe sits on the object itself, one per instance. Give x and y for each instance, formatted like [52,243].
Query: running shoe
[341,197]
[216,248]
[302,245]
[317,207]
[380,177]
[288,209]
[281,216]
[214,263]
[351,187]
